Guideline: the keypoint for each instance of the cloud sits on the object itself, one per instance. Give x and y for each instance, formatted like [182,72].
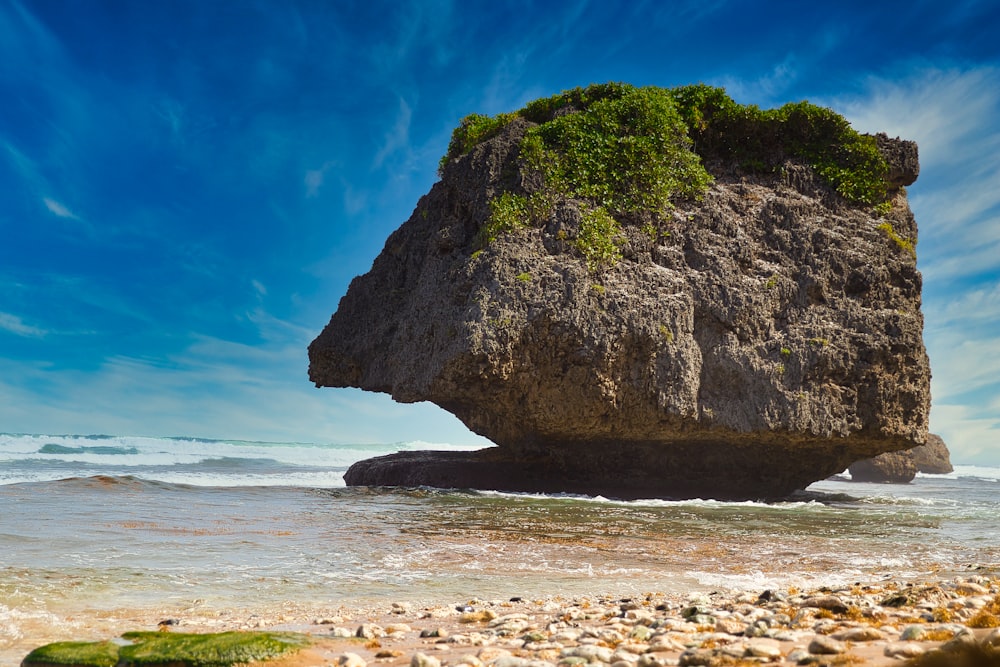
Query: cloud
[314,179]
[58,209]
[15,325]
[398,138]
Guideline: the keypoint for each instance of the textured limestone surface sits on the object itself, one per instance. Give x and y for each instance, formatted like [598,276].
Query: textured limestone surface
[746,345]
[901,467]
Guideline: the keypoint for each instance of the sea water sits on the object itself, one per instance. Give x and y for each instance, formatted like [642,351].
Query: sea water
[92,523]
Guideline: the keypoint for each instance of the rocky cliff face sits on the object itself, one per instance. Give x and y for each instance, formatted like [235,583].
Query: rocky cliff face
[740,344]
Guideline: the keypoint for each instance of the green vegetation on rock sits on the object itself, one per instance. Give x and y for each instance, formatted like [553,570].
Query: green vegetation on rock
[223,649]
[624,150]
[92,654]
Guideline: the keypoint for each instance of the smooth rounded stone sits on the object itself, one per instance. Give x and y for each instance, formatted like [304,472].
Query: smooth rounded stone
[862,634]
[424,660]
[913,633]
[700,657]
[635,649]
[969,588]
[477,616]
[622,656]
[763,648]
[351,660]
[823,645]
[828,602]
[610,636]
[992,639]
[655,660]
[903,650]
[697,610]
[341,633]
[566,635]
[702,619]
[798,655]
[756,629]
[370,631]
[572,661]
[962,640]
[662,643]
[469,661]
[394,628]
[730,626]
[432,633]
[640,616]
[589,653]
[641,633]
[491,653]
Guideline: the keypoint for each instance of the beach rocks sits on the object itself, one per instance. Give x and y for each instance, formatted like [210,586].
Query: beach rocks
[740,345]
[656,630]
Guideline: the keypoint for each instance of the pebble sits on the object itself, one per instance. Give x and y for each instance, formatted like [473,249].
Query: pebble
[662,630]
[424,660]
[903,650]
[351,660]
[822,645]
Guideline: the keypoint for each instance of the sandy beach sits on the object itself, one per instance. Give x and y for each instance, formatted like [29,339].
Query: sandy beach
[881,623]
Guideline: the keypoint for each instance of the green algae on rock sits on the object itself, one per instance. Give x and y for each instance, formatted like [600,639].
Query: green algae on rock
[82,654]
[170,648]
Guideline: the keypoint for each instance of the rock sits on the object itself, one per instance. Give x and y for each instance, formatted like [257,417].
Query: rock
[903,650]
[901,467]
[904,163]
[890,467]
[763,648]
[351,660]
[369,631]
[933,457]
[743,345]
[821,645]
[424,660]
[828,602]
[862,634]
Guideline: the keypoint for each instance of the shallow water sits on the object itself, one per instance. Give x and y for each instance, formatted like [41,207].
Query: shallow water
[98,524]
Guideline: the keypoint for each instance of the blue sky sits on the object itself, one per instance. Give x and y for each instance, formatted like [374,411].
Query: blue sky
[187,187]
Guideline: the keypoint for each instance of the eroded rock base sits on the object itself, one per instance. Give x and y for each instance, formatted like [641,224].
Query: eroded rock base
[677,474]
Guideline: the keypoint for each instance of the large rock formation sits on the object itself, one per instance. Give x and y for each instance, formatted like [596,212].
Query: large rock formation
[901,467]
[738,345]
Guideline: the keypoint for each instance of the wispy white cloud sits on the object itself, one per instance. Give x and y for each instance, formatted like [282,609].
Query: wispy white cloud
[397,138]
[766,88]
[315,178]
[59,209]
[15,325]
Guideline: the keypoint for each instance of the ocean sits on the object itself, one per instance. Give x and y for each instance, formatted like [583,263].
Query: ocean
[94,524]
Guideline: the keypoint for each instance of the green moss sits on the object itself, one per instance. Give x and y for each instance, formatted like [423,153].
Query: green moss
[625,150]
[172,648]
[524,277]
[598,288]
[207,650]
[666,333]
[91,654]
[786,352]
[904,244]
[818,342]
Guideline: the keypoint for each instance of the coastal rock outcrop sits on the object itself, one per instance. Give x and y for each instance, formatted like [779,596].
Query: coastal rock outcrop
[749,329]
[901,467]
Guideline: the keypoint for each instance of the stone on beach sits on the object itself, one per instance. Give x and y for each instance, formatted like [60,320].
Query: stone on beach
[743,344]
